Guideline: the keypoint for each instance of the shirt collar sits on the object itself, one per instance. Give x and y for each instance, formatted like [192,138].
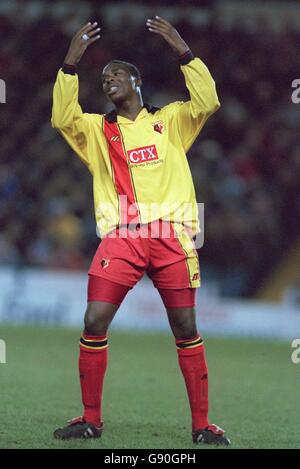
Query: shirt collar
[113,116]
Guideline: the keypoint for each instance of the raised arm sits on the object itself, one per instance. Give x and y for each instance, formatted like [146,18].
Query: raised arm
[67,115]
[188,117]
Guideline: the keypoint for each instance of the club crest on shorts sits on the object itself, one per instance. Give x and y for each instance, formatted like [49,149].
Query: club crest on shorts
[105,263]
[159,127]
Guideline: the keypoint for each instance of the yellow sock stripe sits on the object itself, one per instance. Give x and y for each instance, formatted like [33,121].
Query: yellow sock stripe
[93,340]
[93,344]
[93,348]
[190,346]
[187,344]
[191,342]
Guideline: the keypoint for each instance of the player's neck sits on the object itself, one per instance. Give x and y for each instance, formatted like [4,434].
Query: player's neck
[130,109]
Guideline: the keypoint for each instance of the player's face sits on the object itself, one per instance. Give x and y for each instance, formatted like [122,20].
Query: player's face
[117,83]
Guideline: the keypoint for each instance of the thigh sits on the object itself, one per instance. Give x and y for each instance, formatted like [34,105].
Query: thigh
[178,298]
[104,299]
[103,290]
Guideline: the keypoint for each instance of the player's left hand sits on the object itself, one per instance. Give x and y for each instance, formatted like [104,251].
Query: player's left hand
[169,33]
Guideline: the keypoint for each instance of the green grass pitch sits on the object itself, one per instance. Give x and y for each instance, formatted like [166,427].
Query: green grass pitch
[254,391]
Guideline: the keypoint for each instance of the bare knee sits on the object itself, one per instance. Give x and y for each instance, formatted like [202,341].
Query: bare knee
[98,317]
[185,330]
[183,322]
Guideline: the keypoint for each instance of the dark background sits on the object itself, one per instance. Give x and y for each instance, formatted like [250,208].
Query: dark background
[245,164]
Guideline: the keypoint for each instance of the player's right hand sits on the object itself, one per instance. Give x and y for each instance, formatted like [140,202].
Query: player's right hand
[79,45]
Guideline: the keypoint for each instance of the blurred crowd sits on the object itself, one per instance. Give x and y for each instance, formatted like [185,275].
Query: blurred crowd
[245,165]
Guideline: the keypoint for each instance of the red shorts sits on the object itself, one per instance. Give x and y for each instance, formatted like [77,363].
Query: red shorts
[163,250]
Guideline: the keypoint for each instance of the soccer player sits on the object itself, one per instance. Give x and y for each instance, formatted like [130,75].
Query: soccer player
[142,184]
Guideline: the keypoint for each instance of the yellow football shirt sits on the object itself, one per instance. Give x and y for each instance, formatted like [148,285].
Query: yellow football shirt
[144,161]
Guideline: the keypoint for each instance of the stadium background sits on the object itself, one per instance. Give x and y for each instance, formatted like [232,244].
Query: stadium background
[246,169]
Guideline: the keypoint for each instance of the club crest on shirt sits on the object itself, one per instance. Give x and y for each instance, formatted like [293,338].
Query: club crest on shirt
[159,127]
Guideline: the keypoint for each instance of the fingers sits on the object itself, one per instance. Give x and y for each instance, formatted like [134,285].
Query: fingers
[83,28]
[89,34]
[158,25]
[162,21]
[87,29]
[156,31]
[93,39]
[94,32]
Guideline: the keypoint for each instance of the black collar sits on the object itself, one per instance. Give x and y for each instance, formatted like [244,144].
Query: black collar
[112,116]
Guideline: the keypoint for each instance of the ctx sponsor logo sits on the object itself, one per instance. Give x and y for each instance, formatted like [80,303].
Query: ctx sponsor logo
[2,351]
[296,353]
[2,91]
[296,92]
[143,154]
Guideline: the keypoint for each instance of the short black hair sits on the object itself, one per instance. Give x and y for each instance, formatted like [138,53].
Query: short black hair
[132,69]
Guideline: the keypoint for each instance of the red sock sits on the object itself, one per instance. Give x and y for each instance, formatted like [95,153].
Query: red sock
[191,356]
[92,367]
